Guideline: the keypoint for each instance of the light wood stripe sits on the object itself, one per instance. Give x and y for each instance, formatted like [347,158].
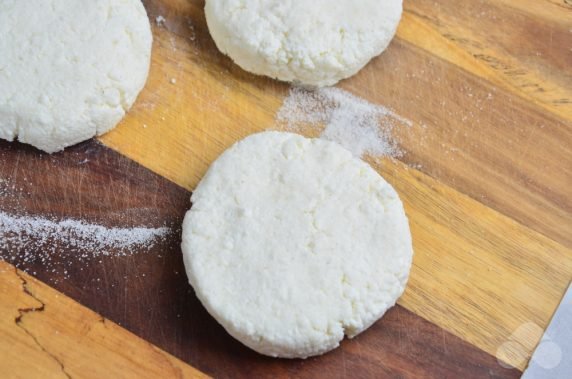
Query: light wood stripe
[468,38]
[45,334]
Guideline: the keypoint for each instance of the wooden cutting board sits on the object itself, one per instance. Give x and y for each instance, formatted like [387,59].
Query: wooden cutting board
[485,181]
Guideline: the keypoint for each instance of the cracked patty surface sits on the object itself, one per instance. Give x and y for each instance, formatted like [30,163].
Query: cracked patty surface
[69,69]
[292,243]
[314,43]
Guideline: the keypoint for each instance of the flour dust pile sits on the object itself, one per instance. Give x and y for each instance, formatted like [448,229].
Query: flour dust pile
[28,239]
[359,126]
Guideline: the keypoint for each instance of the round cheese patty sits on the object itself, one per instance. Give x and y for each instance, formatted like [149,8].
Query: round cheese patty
[292,242]
[311,42]
[69,69]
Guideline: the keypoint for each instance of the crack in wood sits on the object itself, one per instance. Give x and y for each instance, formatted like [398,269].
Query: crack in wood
[23,311]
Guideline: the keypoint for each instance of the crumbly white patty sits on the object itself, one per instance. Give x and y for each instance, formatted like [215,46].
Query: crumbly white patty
[69,69]
[292,242]
[310,42]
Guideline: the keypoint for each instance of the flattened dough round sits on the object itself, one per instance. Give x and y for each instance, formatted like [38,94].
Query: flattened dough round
[310,42]
[292,242]
[69,69]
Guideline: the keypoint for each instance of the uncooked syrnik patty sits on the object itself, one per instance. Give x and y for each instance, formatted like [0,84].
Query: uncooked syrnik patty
[69,69]
[310,42]
[292,243]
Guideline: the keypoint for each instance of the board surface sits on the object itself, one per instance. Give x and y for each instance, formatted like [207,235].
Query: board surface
[147,292]
[485,181]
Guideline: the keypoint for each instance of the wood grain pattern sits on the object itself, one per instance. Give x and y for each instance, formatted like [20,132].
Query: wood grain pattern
[482,139]
[476,272]
[47,335]
[528,56]
[492,151]
[147,292]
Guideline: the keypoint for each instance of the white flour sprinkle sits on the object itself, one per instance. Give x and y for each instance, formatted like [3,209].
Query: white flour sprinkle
[160,20]
[24,233]
[361,127]
[192,34]
[4,188]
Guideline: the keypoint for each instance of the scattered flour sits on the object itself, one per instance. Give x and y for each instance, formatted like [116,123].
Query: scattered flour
[361,127]
[160,20]
[37,236]
[176,28]
[11,193]
[5,189]
[192,33]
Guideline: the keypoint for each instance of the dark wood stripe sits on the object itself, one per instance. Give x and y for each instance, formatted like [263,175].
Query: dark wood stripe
[148,294]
